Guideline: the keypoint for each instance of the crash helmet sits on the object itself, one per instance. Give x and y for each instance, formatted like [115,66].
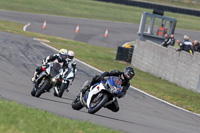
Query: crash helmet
[129,73]
[63,54]
[70,55]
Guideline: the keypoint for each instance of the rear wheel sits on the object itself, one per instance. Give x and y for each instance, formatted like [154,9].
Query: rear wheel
[76,104]
[97,104]
[44,84]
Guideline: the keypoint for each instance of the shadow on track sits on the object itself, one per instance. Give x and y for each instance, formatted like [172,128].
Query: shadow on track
[55,101]
[112,118]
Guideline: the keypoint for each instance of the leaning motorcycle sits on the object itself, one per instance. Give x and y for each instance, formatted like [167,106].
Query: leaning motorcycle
[59,88]
[99,95]
[46,79]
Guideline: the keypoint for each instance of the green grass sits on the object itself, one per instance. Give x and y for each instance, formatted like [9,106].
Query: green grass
[16,118]
[93,10]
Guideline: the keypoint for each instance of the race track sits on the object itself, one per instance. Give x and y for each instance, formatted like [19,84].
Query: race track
[90,31]
[20,55]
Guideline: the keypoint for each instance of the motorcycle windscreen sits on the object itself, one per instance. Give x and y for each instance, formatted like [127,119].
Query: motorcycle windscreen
[115,82]
[55,69]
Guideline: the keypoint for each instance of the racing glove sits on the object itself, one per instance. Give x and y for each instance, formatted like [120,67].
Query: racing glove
[45,65]
[64,72]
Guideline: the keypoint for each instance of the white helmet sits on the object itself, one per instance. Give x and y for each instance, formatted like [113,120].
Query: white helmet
[63,54]
[70,55]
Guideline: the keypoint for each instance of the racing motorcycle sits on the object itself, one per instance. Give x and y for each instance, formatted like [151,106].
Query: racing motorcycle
[47,79]
[59,87]
[99,95]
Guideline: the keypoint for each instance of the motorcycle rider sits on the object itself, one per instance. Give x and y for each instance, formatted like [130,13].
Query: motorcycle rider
[125,76]
[57,58]
[71,62]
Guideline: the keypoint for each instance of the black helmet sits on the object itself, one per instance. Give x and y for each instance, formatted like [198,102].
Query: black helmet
[129,73]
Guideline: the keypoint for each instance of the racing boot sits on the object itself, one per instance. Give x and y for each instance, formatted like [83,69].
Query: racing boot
[34,77]
[85,87]
[37,73]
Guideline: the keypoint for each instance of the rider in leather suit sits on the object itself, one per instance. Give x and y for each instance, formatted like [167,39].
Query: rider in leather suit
[58,58]
[125,76]
[71,62]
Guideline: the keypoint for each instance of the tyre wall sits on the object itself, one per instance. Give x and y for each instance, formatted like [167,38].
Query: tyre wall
[124,54]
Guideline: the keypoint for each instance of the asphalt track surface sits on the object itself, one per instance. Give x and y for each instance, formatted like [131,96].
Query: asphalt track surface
[139,113]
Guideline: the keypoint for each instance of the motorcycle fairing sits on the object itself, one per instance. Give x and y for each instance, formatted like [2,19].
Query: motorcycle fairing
[93,91]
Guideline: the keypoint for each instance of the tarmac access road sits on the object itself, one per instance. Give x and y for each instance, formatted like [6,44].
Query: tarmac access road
[90,31]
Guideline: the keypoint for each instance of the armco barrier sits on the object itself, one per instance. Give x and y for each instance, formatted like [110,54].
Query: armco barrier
[156,6]
[181,68]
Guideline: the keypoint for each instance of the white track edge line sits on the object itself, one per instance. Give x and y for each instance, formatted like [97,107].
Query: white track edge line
[130,86]
[24,28]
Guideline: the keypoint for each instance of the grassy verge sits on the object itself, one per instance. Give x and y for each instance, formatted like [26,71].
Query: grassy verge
[106,57]
[16,118]
[94,10]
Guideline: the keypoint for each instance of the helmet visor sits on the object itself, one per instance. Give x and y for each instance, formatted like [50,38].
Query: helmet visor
[70,57]
[63,56]
[128,75]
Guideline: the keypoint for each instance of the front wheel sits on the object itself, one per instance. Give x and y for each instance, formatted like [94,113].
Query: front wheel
[97,104]
[33,91]
[55,94]
[42,87]
[63,87]
[76,104]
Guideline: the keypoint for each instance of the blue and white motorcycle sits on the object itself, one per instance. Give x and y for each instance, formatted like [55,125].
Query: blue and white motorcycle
[99,95]
[66,81]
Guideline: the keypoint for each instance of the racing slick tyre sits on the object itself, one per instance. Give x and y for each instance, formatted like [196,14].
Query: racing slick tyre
[44,84]
[63,87]
[96,105]
[33,91]
[76,104]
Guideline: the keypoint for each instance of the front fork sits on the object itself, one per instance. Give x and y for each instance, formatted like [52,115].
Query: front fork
[39,79]
[84,99]
[65,84]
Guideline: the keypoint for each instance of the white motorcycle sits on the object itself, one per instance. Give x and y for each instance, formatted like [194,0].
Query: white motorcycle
[50,78]
[66,81]
[99,95]
[46,80]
